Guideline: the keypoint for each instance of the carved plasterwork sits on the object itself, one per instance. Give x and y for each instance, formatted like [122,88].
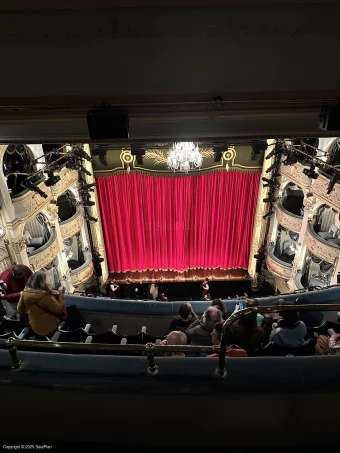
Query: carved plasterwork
[319,188]
[288,220]
[30,203]
[19,244]
[72,226]
[67,178]
[46,254]
[280,270]
[320,247]
[82,274]
[294,173]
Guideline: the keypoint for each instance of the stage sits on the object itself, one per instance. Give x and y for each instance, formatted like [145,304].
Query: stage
[187,285]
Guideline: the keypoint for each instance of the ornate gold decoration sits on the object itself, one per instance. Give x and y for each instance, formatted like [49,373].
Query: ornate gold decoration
[82,274]
[19,244]
[230,154]
[280,269]
[207,152]
[288,220]
[126,157]
[43,256]
[71,226]
[157,156]
[319,188]
[30,203]
[321,248]
[67,178]
[294,173]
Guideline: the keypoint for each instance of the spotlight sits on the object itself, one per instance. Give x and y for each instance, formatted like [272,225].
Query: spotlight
[71,165]
[84,191]
[271,168]
[269,214]
[274,152]
[79,152]
[101,153]
[27,184]
[332,182]
[310,172]
[87,204]
[258,146]
[291,159]
[218,150]
[139,153]
[91,219]
[52,179]
[88,186]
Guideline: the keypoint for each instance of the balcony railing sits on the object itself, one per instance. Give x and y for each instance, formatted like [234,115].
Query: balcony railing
[31,203]
[278,267]
[320,247]
[288,220]
[83,272]
[67,178]
[45,254]
[295,174]
[72,226]
[319,188]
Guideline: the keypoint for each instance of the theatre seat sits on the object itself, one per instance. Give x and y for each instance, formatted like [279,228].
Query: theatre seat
[12,325]
[76,336]
[272,349]
[108,337]
[323,329]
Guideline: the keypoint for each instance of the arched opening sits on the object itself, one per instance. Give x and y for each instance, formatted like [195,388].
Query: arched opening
[285,245]
[36,233]
[292,199]
[324,224]
[76,253]
[316,272]
[18,163]
[67,205]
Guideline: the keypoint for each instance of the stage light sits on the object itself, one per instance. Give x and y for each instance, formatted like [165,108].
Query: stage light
[88,186]
[271,168]
[27,184]
[332,182]
[52,179]
[218,151]
[101,153]
[270,199]
[71,165]
[87,204]
[269,214]
[139,153]
[257,147]
[291,159]
[79,152]
[91,219]
[310,172]
[274,152]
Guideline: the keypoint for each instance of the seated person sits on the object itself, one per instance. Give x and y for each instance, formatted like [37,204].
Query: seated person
[45,308]
[310,318]
[245,332]
[290,331]
[199,333]
[176,338]
[15,279]
[218,303]
[186,317]
[216,340]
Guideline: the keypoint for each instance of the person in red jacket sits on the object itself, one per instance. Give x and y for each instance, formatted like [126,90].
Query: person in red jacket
[15,279]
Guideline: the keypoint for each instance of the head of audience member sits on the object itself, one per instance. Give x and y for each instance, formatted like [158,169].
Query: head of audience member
[184,311]
[176,338]
[217,303]
[288,318]
[249,320]
[216,334]
[210,317]
[38,280]
[18,271]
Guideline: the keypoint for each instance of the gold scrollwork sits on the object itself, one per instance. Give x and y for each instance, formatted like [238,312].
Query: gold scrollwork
[126,157]
[229,154]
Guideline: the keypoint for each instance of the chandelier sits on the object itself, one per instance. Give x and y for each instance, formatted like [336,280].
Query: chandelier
[184,156]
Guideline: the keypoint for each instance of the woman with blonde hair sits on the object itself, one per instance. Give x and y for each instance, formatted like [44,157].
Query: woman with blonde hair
[44,306]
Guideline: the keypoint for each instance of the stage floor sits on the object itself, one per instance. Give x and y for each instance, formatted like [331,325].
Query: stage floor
[191,275]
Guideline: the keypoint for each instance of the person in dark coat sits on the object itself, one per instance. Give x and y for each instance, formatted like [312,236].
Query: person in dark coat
[310,318]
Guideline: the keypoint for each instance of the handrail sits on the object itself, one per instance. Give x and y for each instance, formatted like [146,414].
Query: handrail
[319,238]
[276,259]
[46,245]
[221,371]
[150,349]
[280,206]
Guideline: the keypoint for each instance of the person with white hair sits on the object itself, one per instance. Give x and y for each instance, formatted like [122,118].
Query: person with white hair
[199,333]
[176,338]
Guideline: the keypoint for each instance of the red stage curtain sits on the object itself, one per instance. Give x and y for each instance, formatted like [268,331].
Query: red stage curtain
[179,223]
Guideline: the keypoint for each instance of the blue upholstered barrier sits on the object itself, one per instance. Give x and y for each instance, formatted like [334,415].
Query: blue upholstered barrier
[141,307]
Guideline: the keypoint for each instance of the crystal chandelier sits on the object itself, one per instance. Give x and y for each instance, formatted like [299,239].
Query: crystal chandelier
[184,156]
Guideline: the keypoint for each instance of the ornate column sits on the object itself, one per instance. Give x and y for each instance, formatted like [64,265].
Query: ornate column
[260,223]
[17,243]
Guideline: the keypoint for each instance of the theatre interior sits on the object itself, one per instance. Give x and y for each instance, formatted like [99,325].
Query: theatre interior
[170,225]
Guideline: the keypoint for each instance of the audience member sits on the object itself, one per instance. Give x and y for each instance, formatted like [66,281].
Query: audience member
[290,331]
[153,291]
[128,289]
[199,333]
[245,332]
[176,338]
[44,307]
[218,303]
[15,279]
[310,318]
[186,317]
[232,351]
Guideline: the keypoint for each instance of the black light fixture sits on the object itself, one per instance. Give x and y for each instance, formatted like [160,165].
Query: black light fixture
[218,151]
[269,214]
[52,179]
[101,153]
[87,203]
[257,147]
[88,186]
[27,184]
[272,167]
[334,179]
[75,165]
[79,152]
[270,199]
[276,150]
[91,219]
[310,172]
[139,152]
[291,159]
